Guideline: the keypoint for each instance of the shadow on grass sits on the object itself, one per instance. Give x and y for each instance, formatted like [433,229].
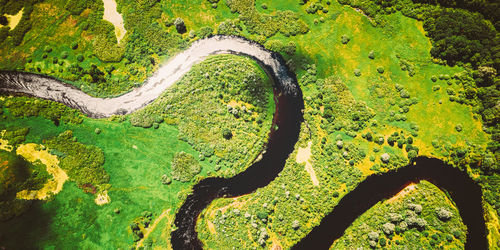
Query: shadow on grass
[27,230]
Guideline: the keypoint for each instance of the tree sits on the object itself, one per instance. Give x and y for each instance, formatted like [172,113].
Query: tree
[345,39]
[180,26]
[227,134]
[443,214]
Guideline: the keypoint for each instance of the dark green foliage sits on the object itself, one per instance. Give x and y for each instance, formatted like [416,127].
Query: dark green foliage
[4,32]
[23,27]
[17,174]
[26,107]
[15,135]
[460,35]
[3,20]
[204,32]
[227,134]
[75,7]
[82,163]
[184,167]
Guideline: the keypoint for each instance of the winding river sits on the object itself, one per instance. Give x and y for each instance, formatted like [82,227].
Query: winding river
[287,118]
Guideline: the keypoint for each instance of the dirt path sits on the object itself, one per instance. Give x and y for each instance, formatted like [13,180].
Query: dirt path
[112,15]
[32,154]
[304,156]
[151,228]
[14,19]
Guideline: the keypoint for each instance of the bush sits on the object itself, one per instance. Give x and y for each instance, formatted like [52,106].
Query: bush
[380,69]
[371,55]
[345,39]
[74,45]
[443,214]
[184,167]
[180,26]
[79,57]
[388,228]
[227,134]
[64,55]
[357,72]
[373,236]
[165,180]
[404,94]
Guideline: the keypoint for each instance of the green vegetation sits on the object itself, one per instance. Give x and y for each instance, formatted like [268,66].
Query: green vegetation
[228,118]
[27,107]
[184,167]
[82,163]
[433,222]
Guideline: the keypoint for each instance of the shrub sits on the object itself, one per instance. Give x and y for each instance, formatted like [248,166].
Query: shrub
[79,57]
[64,55]
[184,167]
[412,154]
[82,163]
[357,72]
[380,69]
[404,94]
[436,88]
[382,242]
[417,208]
[47,49]
[388,228]
[180,26]
[165,180]
[385,157]
[74,45]
[434,78]
[373,236]
[371,55]
[458,128]
[264,6]
[394,217]
[97,131]
[345,39]
[227,134]
[443,214]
